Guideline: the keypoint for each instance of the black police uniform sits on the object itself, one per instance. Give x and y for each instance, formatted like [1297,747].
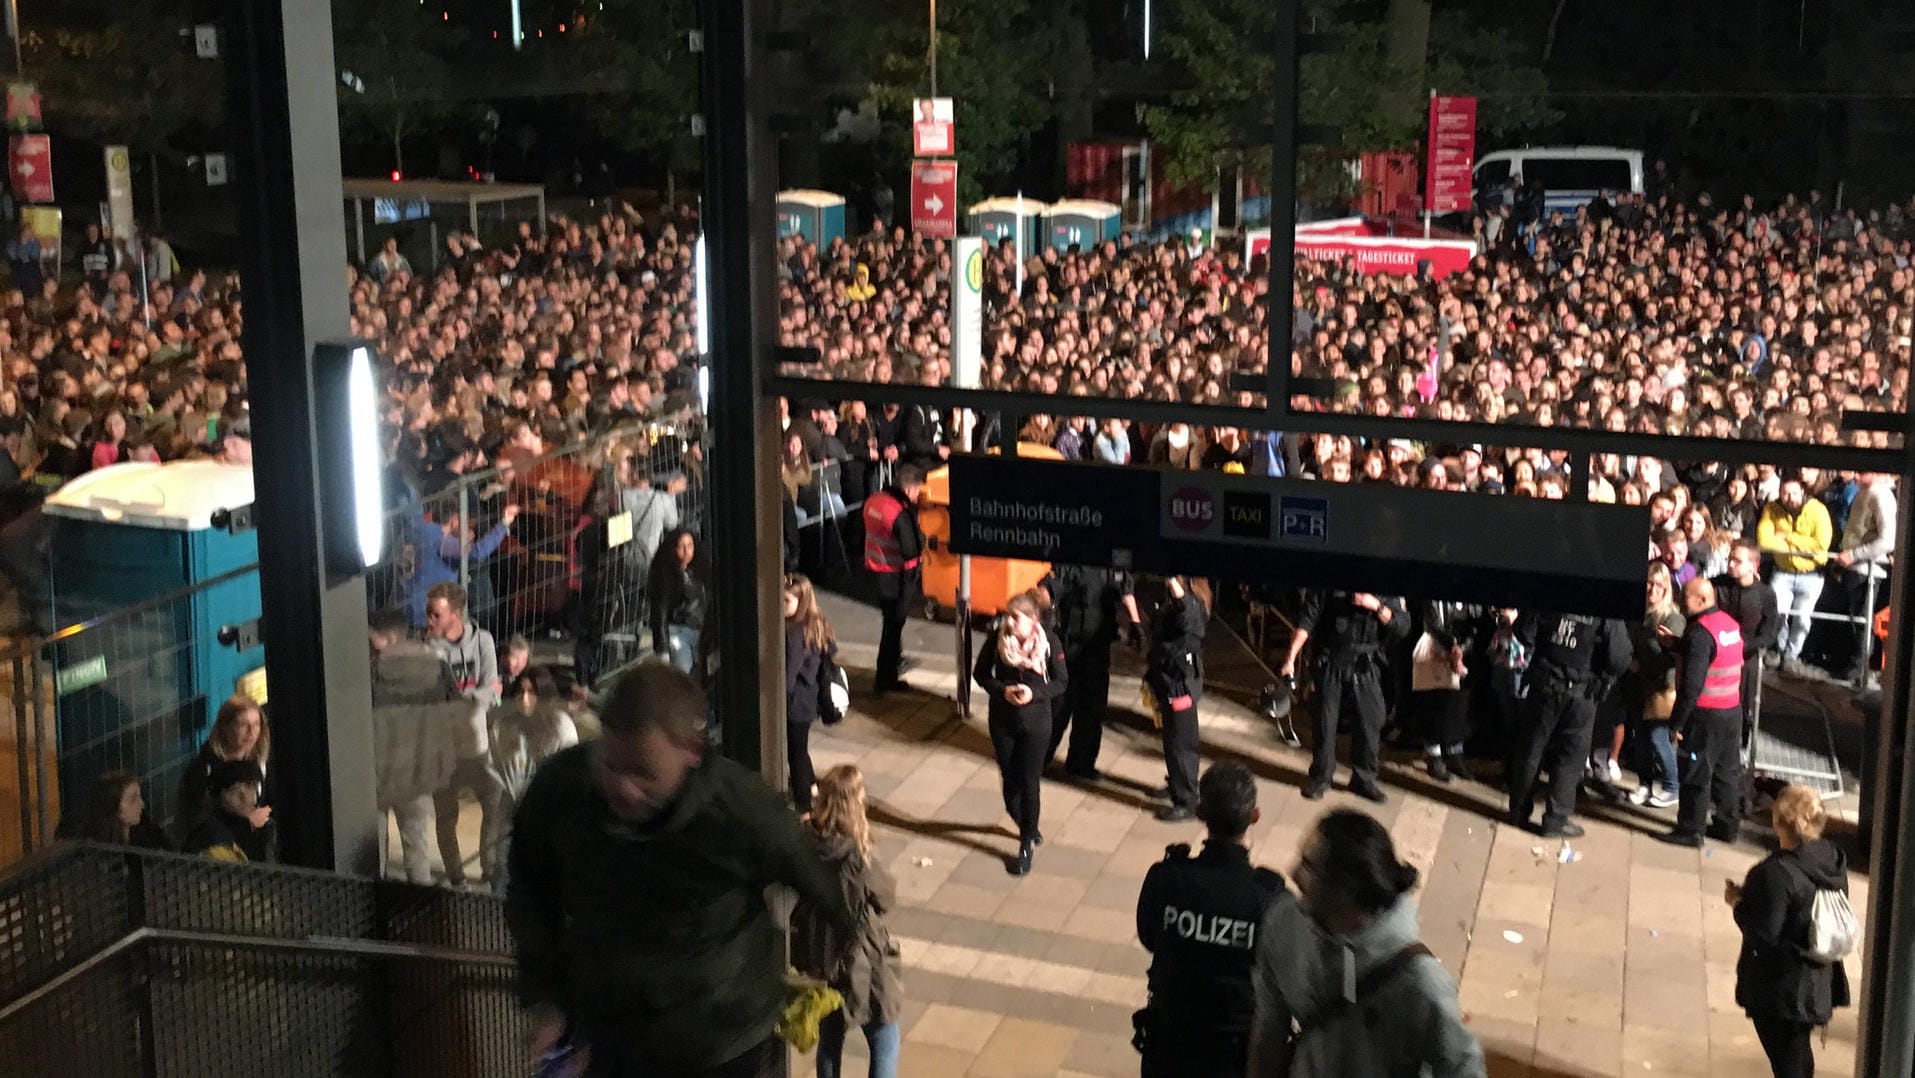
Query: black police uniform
[1175,674]
[1198,917]
[1350,642]
[1086,606]
[1573,657]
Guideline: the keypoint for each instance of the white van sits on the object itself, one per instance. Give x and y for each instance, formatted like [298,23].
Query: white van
[1570,176]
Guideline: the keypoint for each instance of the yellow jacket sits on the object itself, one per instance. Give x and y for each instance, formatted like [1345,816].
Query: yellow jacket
[1808,533]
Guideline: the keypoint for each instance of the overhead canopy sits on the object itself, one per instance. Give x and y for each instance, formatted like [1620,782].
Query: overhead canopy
[394,201]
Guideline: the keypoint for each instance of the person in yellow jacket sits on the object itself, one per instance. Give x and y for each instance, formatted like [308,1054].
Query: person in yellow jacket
[1795,529]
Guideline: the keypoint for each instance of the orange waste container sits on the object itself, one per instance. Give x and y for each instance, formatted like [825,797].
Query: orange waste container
[993,580]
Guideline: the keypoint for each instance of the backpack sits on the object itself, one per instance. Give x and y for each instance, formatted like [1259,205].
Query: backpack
[1833,930]
[834,692]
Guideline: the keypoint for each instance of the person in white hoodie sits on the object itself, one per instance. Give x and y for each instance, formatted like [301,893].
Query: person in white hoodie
[1342,967]
[472,661]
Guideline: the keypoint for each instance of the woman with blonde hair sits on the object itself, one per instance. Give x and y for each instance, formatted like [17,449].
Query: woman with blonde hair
[1021,670]
[1786,993]
[240,732]
[811,649]
[862,966]
[1651,688]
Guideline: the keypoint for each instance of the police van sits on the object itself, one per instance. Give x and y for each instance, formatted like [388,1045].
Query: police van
[1570,176]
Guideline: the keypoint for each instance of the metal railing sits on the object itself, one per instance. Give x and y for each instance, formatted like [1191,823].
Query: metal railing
[123,962]
[136,689]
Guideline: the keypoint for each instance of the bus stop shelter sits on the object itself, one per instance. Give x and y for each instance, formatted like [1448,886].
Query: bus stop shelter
[382,207]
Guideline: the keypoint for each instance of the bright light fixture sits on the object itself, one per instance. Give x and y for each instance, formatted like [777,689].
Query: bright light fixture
[363,431]
[701,275]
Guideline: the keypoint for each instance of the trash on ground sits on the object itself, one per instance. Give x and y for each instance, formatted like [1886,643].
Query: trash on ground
[922,862]
[1512,935]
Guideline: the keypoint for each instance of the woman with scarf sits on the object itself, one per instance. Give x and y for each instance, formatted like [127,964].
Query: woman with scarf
[1021,670]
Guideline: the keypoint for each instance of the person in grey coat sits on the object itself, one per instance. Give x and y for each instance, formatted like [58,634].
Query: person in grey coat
[416,717]
[1342,964]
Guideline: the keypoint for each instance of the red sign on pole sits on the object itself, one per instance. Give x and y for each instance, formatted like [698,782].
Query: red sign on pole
[934,199]
[1447,180]
[30,164]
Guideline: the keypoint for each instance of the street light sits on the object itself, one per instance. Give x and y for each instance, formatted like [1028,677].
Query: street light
[934,48]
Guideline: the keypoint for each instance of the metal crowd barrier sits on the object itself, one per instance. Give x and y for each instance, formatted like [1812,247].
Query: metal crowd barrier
[117,962]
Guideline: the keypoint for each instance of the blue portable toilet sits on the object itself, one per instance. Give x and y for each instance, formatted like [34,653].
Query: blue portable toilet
[816,215]
[154,564]
[995,219]
[1083,222]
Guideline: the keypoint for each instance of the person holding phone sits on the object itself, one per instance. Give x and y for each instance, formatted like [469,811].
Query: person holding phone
[1021,670]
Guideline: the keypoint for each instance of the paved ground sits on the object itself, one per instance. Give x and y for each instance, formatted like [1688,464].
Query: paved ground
[1618,962]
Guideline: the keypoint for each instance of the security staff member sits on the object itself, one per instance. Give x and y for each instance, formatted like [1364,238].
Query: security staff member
[892,545]
[1707,721]
[1198,917]
[1742,594]
[1574,657]
[1090,607]
[1352,630]
[1174,674]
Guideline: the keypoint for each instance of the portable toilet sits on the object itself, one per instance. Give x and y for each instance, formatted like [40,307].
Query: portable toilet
[996,219]
[156,596]
[1083,222]
[816,215]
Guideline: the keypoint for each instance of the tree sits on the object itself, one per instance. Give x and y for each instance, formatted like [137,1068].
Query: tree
[393,81]
[1227,84]
[121,75]
[640,53]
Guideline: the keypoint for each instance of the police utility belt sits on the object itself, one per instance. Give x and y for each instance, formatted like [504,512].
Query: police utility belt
[1549,679]
[1360,659]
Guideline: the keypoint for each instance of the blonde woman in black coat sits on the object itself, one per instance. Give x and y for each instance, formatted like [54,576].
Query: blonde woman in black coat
[1785,994]
[1021,669]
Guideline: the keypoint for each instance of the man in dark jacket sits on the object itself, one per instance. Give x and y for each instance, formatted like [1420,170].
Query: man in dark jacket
[1198,917]
[417,715]
[1352,630]
[1707,719]
[637,894]
[1741,593]
[1091,606]
[1574,656]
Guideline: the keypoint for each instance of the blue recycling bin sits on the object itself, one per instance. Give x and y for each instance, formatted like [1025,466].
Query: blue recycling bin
[996,219]
[816,215]
[152,563]
[1082,222]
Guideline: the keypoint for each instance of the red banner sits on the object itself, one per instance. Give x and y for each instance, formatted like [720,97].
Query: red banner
[1373,245]
[934,211]
[1447,179]
[30,164]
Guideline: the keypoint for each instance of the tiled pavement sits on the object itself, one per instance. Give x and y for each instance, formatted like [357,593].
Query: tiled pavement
[1620,961]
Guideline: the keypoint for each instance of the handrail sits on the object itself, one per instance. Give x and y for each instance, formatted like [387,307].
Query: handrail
[141,607]
[311,944]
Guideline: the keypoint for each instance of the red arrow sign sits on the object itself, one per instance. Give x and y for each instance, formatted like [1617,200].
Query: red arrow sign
[30,164]
[934,199]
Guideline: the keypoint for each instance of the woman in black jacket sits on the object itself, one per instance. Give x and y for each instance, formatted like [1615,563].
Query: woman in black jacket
[1174,674]
[677,594]
[810,648]
[1021,670]
[1785,994]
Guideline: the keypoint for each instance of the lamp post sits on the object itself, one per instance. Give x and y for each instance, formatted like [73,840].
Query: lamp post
[934,48]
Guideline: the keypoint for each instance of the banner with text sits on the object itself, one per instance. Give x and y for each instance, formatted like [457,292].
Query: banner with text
[1506,551]
[1448,177]
[967,311]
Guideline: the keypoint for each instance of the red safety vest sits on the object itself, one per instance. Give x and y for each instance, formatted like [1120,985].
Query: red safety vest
[881,552]
[1722,688]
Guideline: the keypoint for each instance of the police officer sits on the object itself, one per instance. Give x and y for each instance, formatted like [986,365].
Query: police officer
[1707,721]
[1198,916]
[1090,607]
[1352,630]
[892,547]
[1574,657]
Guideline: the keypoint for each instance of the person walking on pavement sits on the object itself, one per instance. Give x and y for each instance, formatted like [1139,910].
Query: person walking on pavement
[1092,607]
[1795,529]
[1198,916]
[1574,657]
[1174,674]
[1021,670]
[1351,630]
[1742,595]
[1343,985]
[636,896]
[892,546]
[1785,993]
[1707,722]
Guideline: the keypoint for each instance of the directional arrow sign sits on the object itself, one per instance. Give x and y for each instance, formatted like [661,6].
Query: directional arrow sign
[30,162]
[934,199]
